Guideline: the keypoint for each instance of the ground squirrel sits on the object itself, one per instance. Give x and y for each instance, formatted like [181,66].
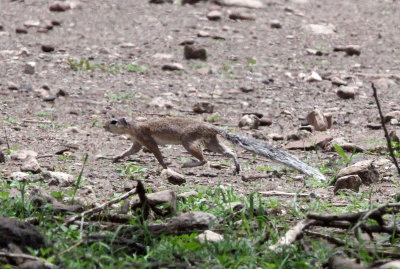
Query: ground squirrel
[192,135]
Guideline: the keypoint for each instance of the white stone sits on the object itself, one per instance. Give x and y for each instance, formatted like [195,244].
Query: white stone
[210,236]
[21,155]
[58,178]
[321,29]
[20,176]
[314,77]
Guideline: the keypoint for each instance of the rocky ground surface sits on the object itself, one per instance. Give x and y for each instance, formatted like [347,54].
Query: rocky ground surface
[67,67]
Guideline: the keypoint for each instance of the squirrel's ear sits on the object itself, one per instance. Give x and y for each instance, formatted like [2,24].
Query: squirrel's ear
[123,122]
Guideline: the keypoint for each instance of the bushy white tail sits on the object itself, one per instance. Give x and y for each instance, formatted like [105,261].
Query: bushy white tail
[275,154]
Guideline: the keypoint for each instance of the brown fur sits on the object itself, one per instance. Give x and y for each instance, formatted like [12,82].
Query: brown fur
[191,134]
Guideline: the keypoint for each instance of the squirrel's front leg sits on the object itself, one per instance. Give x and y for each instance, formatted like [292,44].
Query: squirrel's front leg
[132,150]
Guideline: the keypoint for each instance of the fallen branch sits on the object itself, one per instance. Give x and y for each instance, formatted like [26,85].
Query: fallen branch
[328,238]
[37,121]
[292,234]
[26,256]
[377,212]
[100,208]
[281,193]
[389,143]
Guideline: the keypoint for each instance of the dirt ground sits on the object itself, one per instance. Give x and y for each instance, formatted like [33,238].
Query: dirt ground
[254,68]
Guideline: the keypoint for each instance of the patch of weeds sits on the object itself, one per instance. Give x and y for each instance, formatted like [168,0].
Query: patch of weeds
[11,120]
[227,70]
[87,65]
[268,168]
[51,125]
[213,118]
[59,195]
[135,68]
[130,170]
[121,96]
[11,150]
[44,114]
[195,65]
[251,65]
[95,123]
[65,158]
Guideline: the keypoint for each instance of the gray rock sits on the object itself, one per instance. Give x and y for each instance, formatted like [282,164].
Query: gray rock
[58,178]
[31,23]
[366,170]
[172,67]
[250,120]
[191,2]
[185,223]
[317,119]
[374,126]
[314,77]
[19,233]
[20,176]
[21,155]
[192,52]
[59,7]
[12,86]
[321,29]
[350,50]
[238,15]
[203,107]
[351,182]
[214,15]
[161,103]
[21,31]
[275,24]
[347,146]
[209,236]
[186,195]
[2,157]
[31,165]
[240,3]
[384,83]
[47,48]
[338,81]
[167,198]
[30,68]
[347,92]
[392,115]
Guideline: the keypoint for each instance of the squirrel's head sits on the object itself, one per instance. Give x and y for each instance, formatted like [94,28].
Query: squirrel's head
[117,126]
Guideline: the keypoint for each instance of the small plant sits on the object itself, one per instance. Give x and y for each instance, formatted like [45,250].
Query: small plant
[252,64]
[346,160]
[121,96]
[11,120]
[136,68]
[131,170]
[64,158]
[78,182]
[213,118]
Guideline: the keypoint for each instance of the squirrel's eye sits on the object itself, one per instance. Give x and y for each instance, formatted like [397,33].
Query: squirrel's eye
[113,122]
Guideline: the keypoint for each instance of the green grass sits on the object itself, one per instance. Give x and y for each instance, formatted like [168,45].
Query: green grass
[121,96]
[87,65]
[247,233]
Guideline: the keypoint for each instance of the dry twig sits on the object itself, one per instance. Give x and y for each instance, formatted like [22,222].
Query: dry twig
[100,208]
[26,256]
[292,234]
[389,143]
